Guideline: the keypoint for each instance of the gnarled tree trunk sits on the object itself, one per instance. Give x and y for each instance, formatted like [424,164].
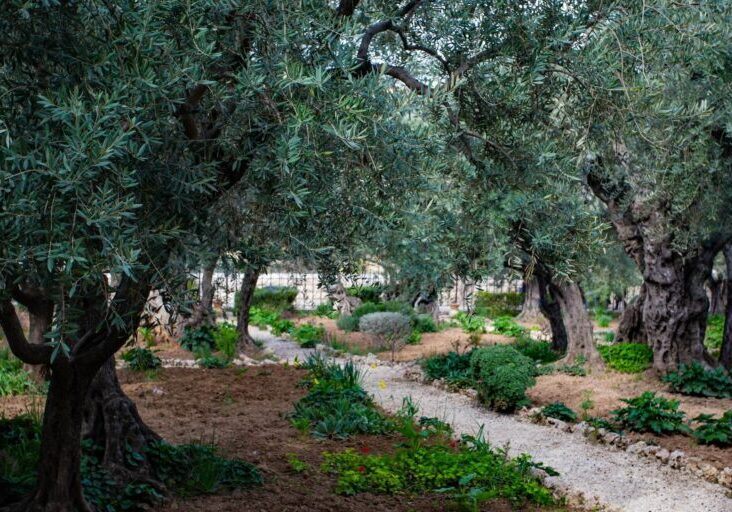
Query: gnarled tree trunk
[631,327]
[531,310]
[716,288]
[203,311]
[246,292]
[725,355]
[552,311]
[580,342]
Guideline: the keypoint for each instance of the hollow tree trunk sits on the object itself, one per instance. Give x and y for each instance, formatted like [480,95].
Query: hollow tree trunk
[552,311]
[203,311]
[580,342]
[246,292]
[531,310]
[676,306]
[725,356]
[58,487]
[111,421]
[631,328]
[716,297]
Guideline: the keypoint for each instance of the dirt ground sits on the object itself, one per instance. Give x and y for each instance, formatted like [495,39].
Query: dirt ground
[432,342]
[606,390]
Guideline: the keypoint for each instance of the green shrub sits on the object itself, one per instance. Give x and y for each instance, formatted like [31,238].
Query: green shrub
[347,323]
[651,413]
[493,305]
[389,329]
[308,335]
[198,338]
[604,320]
[717,431]
[502,375]
[715,332]
[336,405]
[424,323]
[470,471]
[212,362]
[559,411]
[262,317]
[470,323]
[326,311]
[282,326]
[609,336]
[366,293]
[141,359]
[454,368]
[695,380]
[414,338]
[507,326]
[14,380]
[276,298]
[627,357]
[539,351]
[225,337]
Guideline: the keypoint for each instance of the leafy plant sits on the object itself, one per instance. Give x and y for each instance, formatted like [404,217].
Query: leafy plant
[262,317]
[627,357]
[604,320]
[141,359]
[370,294]
[308,335]
[225,337]
[559,411]
[454,368]
[148,335]
[424,323]
[282,326]
[14,380]
[493,305]
[539,351]
[389,329]
[347,323]
[651,413]
[717,431]
[205,359]
[198,338]
[609,336]
[502,375]
[297,465]
[508,326]
[695,380]
[715,332]
[470,323]
[326,311]
[274,298]
[414,338]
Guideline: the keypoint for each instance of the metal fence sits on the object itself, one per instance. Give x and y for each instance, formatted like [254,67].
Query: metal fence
[311,294]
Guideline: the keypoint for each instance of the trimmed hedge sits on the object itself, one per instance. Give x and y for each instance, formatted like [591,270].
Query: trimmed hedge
[502,375]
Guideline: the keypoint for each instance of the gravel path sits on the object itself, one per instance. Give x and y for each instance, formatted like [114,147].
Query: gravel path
[615,479]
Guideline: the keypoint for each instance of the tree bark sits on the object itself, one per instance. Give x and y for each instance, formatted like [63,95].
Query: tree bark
[725,355]
[716,289]
[531,310]
[203,311]
[552,311]
[580,342]
[631,327]
[246,292]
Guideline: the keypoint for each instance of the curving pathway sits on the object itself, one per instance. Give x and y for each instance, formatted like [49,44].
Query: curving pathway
[614,480]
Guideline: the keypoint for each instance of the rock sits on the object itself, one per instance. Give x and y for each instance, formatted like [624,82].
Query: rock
[610,438]
[650,450]
[637,448]
[693,464]
[581,427]
[725,477]
[709,472]
[663,455]
[677,459]
[561,425]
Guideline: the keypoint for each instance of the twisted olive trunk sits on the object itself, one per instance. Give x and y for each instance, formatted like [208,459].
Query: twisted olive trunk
[531,310]
[725,356]
[246,292]
[631,327]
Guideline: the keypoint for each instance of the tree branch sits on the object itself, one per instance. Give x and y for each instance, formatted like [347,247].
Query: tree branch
[27,352]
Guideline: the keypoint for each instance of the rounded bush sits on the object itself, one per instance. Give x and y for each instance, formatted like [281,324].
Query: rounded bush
[502,375]
[390,329]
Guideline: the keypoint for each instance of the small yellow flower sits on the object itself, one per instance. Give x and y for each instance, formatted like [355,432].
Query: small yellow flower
[382,384]
[373,366]
[316,381]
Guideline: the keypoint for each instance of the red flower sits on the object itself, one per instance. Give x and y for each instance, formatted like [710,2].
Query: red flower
[361,469]
[364,450]
[453,444]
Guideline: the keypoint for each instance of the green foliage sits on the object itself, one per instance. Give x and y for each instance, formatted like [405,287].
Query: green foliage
[262,317]
[296,464]
[604,320]
[326,311]
[559,411]
[14,380]
[308,335]
[651,413]
[454,368]
[390,329]
[469,470]
[717,431]
[414,338]
[502,375]
[695,380]
[609,336]
[148,336]
[336,406]
[424,323]
[539,351]
[508,326]
[370,294]
[282,326]
[347,323]
[492,305]
[205,359]
[186,470]
[470,323]
[275,298]
[141,359]
[198,338]
[715,332]
[627,357]
[225,337]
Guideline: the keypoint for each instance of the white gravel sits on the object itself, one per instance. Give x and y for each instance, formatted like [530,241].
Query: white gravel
[616,480]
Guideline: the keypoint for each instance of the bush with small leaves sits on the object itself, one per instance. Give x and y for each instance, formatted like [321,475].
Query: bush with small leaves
[14,379]
[627,357]
[424,323]
[493,305]
[347,323]
[695,380]
[715,332]
[308,335]
[389,329]
[559,411]
[225,337]
[508,326]
[370,294]
[276,298]
[502,375]
[539,351]
[651,413]
[141,359]
[470,323]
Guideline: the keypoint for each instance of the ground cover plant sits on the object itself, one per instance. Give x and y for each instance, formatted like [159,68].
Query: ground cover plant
[539,351]
[716,431]
[14,379]
[559,411]
[198,338]
[307,335]
[627,357]
[452,367]
[141,359]
[696,380]
[502,375]
[651,413]
[492,305]
[336,405]
[370,294]
[508,326]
